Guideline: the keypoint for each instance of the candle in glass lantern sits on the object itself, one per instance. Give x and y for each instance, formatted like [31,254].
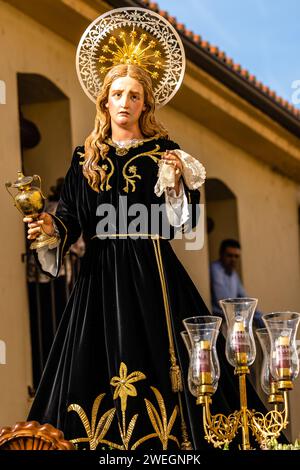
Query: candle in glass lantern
[205,356]
[205,365]
[201,364]
[282,357]
[240,343]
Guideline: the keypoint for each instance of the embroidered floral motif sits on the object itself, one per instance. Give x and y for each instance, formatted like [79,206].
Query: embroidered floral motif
[105,186]
[124,388]
[123,384]
[130,171]
[131,179]
[97,431]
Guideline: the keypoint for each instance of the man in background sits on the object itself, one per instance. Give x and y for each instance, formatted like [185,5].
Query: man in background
[224,280]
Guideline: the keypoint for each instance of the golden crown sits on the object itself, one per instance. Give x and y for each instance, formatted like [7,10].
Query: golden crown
[132,49]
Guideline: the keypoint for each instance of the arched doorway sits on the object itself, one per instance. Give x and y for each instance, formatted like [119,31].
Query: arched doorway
[222,216]
[43,105]
[223,223]
[45,135]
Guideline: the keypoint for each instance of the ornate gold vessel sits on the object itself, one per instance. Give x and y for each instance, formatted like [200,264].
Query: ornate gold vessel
[30,201]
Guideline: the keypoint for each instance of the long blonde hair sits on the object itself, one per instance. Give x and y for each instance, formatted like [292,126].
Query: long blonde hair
[95,147]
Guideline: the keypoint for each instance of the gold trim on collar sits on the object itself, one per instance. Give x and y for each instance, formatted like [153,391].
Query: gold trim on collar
[120,151]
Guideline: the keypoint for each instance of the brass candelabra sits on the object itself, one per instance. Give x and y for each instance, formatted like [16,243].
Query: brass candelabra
[279,370]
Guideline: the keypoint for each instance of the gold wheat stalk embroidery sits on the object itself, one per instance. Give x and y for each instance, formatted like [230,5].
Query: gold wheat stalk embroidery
[95,434]
[127,433]
[160,422]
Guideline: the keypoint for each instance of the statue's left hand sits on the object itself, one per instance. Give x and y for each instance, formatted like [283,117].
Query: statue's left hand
[172,159]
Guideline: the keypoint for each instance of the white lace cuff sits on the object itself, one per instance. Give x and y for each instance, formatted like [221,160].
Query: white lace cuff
[193,173]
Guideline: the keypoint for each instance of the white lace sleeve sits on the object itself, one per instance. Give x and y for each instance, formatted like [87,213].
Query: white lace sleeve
[49,255]
[177,206]
[193,173]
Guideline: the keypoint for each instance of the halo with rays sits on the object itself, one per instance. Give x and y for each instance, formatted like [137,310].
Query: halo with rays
[131,36]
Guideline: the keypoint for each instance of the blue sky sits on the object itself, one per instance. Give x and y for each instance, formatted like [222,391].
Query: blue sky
[261,35]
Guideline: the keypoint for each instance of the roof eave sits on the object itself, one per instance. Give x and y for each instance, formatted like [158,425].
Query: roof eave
[241,86]
[219,70]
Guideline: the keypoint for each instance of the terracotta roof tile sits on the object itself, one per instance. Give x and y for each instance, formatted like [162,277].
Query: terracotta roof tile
[205,44]
[180,27]
[153,6]
[189,33]
[221,55]
[196,38]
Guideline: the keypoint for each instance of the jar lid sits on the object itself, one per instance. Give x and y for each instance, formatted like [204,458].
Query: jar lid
[22,180]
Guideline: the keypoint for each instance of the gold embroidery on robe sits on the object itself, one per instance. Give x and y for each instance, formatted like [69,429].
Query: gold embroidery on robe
[95,435]
[105,186]
[129,171]
[121,151]
[159,422]
[124,388]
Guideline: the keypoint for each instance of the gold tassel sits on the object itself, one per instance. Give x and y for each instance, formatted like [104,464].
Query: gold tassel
[186,444]
[176,380]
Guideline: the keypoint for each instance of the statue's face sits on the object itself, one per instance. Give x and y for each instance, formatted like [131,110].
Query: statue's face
[125,102]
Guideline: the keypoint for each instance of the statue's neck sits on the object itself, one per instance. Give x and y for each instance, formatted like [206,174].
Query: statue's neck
[123,134]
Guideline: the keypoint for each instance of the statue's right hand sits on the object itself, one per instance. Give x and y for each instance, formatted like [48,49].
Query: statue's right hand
[35,225]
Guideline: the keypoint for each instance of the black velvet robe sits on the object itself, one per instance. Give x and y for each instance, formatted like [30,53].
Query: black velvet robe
[107,379]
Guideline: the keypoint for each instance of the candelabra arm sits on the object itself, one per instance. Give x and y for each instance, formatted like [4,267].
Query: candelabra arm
[286,407]
[269,426]
[219,429]
[206,411]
